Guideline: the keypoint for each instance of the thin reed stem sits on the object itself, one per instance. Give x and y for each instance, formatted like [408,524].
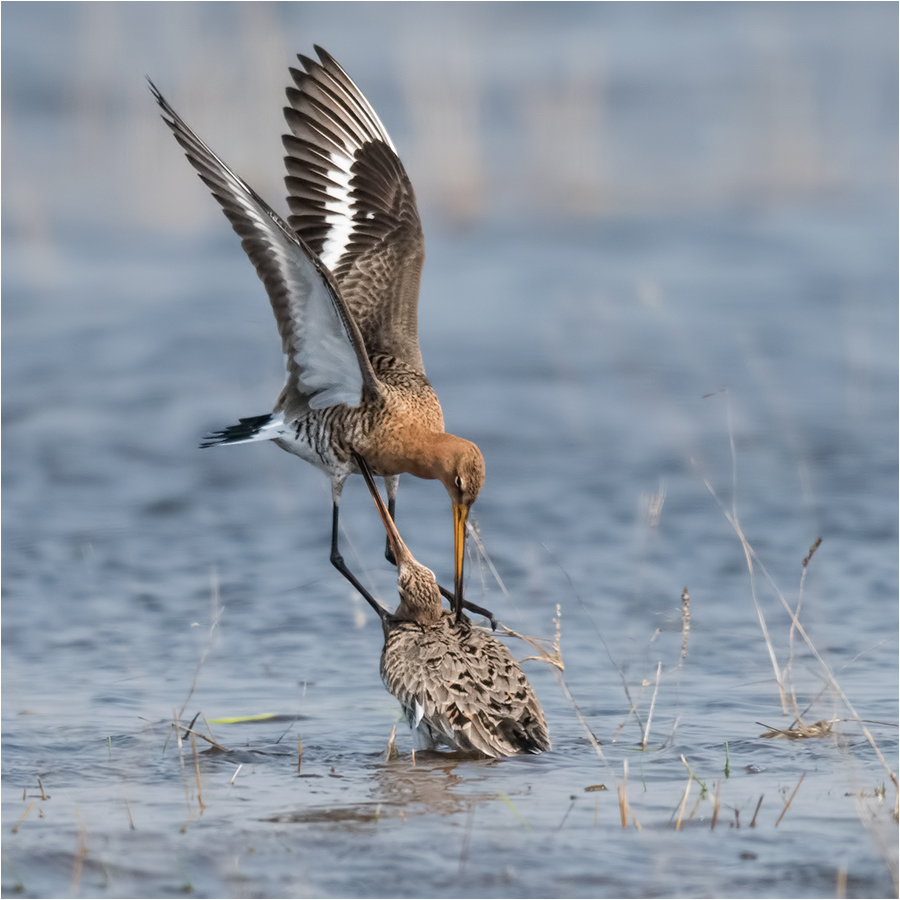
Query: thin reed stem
[790,799]
[652,704]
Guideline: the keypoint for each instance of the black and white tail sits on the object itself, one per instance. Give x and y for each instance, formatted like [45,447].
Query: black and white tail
[254,428]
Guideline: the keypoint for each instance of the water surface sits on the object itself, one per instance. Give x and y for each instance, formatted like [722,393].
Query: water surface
[616,369]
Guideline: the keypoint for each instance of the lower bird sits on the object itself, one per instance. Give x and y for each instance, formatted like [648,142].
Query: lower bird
[458,685]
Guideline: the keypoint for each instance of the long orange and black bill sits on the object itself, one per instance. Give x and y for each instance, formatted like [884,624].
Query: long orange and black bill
[460,516]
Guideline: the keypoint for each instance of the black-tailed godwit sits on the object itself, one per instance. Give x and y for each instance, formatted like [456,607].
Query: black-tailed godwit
[343,279]
[458,685]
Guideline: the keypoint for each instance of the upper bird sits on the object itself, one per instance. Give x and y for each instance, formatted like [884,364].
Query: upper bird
[343,278]
[458,685]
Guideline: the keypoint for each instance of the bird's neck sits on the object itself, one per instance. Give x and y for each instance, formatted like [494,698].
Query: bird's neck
[420,599]
[431,455]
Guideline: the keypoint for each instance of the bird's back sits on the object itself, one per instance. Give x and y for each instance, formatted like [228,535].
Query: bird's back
[460,686]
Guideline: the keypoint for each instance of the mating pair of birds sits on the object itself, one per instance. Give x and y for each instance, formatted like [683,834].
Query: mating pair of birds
[342,275]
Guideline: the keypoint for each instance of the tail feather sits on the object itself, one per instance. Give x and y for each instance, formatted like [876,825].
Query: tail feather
[253,428]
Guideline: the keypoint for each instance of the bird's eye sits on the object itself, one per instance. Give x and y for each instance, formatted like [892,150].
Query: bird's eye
[459,482]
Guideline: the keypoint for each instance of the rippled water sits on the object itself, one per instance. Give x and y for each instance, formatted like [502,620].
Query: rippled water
[586,393]
[608,369]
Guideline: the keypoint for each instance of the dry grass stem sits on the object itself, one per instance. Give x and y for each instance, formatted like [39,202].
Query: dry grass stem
[188,730]
[299,754]
[391,751]
[756,811]
[788,672]
[178,726]
[241,766]
[191,818]
[128,813]
[625,809]
[213,740]
[671,736]
[749,556]
[216,616]
[840,889]
[684,799]
[590,618]
[552,657]
[23,817]
[687,791]
[78,863]
[685,620]
[634,820]
[620,790]
[197,773]
[652,704]
[594,742]
[715,814]
[695,807]
[473,532]
[41,786]
[790,799]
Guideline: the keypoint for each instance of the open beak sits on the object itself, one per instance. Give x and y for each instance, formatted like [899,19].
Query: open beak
[460,516]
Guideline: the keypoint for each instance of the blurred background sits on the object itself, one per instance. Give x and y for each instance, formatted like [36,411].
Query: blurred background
[503,110]
[662,251]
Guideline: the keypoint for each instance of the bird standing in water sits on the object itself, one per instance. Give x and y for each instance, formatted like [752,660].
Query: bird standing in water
[343,278]
[458,685]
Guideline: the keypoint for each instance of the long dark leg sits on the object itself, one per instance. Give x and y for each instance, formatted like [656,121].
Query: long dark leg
[370,481]
[338,562]
[390,483]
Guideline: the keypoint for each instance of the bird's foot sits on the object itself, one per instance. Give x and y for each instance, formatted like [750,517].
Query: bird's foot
[472,607]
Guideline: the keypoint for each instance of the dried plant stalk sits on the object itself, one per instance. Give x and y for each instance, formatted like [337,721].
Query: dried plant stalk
[685,620]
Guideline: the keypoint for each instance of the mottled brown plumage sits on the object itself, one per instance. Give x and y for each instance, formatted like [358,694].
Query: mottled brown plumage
[458,685]
[343,280]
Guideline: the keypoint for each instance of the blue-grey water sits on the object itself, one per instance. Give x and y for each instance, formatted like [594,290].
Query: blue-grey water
[660,295]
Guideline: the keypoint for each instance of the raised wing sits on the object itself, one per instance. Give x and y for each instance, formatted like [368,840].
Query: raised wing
[326,356]
[353,205]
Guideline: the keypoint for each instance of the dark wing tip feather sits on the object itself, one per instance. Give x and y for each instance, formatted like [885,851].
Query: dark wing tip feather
[315,325]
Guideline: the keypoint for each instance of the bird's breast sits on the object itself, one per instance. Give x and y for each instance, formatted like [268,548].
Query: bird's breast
[400,435]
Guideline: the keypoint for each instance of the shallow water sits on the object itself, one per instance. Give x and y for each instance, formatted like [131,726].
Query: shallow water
[607,368]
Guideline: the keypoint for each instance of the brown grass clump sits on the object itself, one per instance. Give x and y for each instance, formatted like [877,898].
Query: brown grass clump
[801,732]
